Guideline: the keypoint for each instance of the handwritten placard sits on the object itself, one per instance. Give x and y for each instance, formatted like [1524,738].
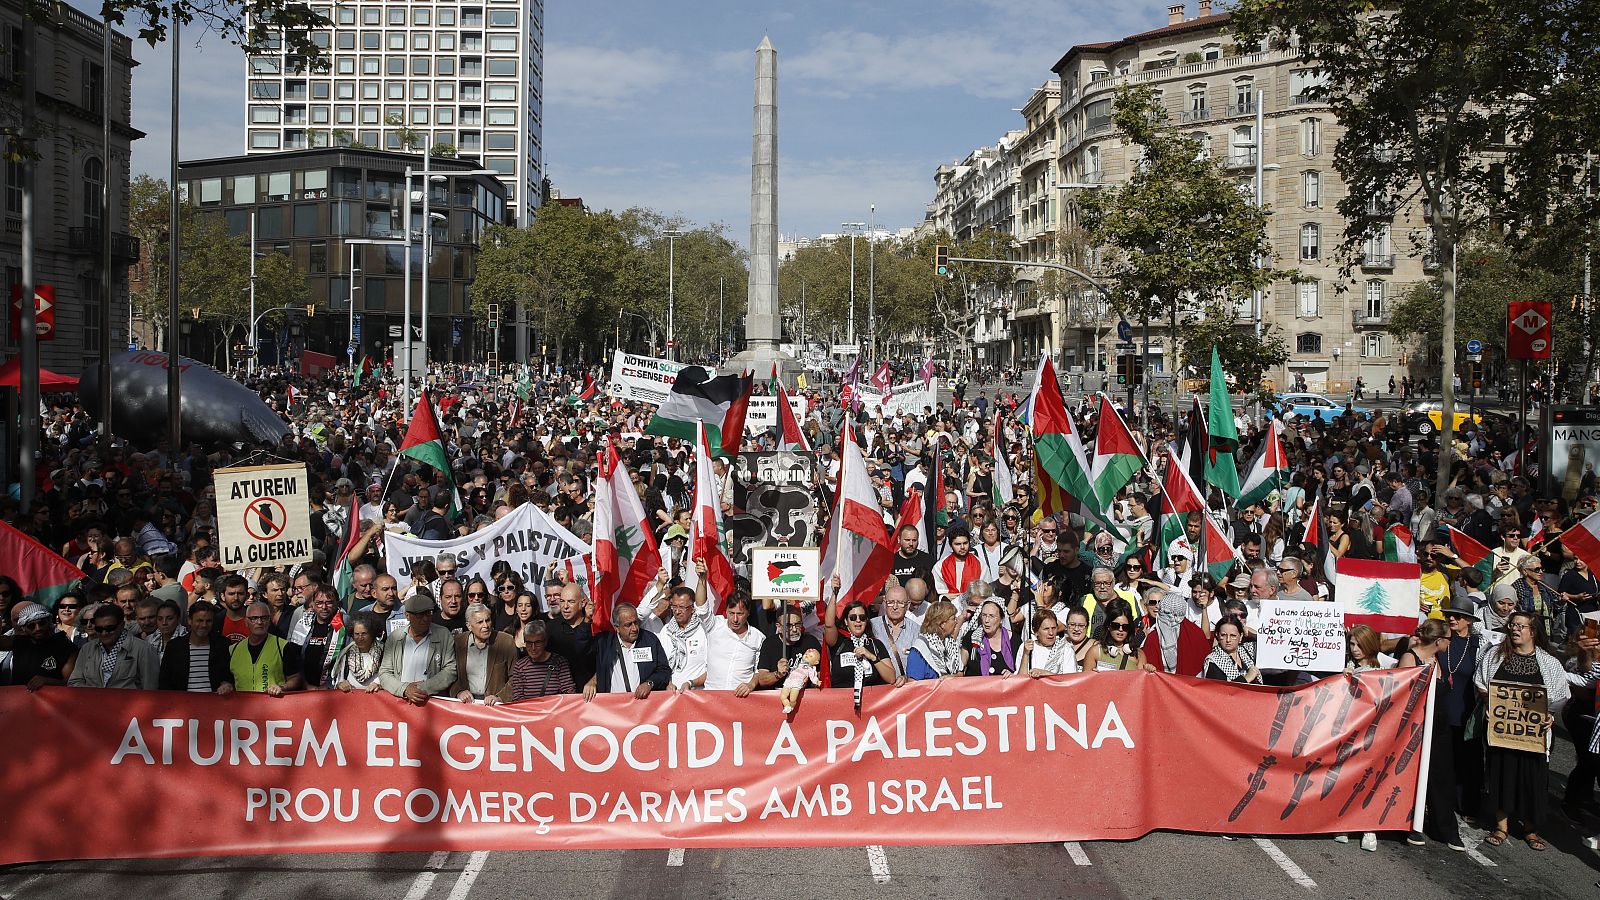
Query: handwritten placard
[1517,719]
[1300,636]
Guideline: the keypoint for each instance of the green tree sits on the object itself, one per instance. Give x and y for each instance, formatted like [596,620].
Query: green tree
[1433,97]
[1186,245]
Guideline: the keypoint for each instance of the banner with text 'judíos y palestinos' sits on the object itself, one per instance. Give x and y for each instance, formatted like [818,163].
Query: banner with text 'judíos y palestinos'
[928,763]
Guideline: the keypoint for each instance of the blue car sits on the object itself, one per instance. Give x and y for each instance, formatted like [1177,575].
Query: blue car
[1315,406]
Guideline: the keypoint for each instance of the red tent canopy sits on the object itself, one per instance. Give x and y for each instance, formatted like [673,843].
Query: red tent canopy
[49,382]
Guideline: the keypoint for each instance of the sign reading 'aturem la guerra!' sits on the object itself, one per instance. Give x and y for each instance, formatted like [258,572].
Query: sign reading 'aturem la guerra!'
[263,516]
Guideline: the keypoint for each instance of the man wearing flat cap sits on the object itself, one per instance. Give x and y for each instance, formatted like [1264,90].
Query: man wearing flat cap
[420,661]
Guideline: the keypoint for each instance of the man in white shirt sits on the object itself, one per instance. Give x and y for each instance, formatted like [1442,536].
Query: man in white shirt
[733,650]
[683,636]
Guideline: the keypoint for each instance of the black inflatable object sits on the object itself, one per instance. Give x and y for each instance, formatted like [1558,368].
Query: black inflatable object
[216,409]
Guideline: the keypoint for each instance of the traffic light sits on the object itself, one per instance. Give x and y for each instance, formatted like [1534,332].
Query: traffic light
[1138,369]
[941,260]
[1124,369]
[1475,373]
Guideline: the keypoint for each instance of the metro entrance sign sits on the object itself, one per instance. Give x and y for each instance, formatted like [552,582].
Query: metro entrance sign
[1528,329]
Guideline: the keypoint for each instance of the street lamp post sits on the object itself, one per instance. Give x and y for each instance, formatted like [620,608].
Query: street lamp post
[427,175]
[872,294]
[855,229]
[672,235]
[250,361]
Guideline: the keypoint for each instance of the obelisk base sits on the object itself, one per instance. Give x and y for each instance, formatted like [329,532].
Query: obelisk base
[759,360]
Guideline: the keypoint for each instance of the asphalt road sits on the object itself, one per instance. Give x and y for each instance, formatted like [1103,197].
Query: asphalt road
[1161,865]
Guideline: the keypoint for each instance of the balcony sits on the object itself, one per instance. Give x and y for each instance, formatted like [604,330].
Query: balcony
[1194,115]
[1304,99]
[1240,159]
[1242,109]
[124,248]
[1371,260]
[1097,125]
[1365,318]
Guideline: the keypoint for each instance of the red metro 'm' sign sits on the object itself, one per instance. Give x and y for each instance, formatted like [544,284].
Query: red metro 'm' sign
[1528,330]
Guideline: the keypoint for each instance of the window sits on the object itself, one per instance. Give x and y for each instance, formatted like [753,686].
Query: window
[421,41]
[447,42]
[1308,343]
[89,285]
[1376,294]
[395,90]
[503,67]
[395,65]
[504,43]
[1310,136]
[305,220]
[444,91]
[1311,189]
[244,189]
[1310,241]
[1309,297]
[397,16]
[503,17]
[371,15]
[1211,52]
[1302,84]
[347,40]
[372,40]
[265,115]
[346,15]
[419,115]
[447,17]
[1197,99]
[345,65]
[472,18]
[320,90]
[265,65]
[472,43]
[1378,250]
[502,117]
[278,186]
[374,294]
[344,90]
[444,115]
[420,16]
[500,140]
[265,90]
[371,65]
[419,65]
[264,140]
[269,223]
[1372,344]
[397,40]
[94,175]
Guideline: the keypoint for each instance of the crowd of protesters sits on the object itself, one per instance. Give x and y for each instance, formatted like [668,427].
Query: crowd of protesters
[998,589]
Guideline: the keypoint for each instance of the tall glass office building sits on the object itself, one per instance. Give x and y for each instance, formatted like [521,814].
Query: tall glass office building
[466,75]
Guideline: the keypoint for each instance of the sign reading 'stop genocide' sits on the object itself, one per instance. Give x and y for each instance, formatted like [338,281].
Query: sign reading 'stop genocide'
[263,516]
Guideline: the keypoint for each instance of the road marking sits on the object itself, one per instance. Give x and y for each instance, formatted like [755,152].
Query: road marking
[469,874]
[880,864]
[675,856]
[1075,850]
[424,882]
[1286,864]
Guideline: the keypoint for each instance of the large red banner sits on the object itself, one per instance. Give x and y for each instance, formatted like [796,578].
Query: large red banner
[99,773]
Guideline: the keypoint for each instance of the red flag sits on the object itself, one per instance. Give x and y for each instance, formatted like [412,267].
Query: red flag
[790,437]
[41,573]
[857,548]
[625,555]
[705,528]
[882,378]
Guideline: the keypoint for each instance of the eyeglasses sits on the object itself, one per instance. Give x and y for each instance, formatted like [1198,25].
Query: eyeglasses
[855,617]
[1118,626]
[507,587]
[1521,626]
[447,573]
[1287,570]
[67,606]
[476,594]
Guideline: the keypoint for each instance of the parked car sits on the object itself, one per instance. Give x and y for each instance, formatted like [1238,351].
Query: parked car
[1315,406]
[1425,418]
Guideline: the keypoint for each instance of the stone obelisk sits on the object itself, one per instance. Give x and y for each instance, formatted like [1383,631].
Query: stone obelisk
[762,322]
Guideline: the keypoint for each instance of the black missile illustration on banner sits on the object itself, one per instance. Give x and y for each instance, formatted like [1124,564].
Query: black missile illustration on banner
[1385,703]
[1345,704]
[1258,780]
[1286,701]
[1412,743]
[1314,716]
[1301,781]
[1383,775]
[1419,687]
[1347,749]
[1360,786]
[1388,805]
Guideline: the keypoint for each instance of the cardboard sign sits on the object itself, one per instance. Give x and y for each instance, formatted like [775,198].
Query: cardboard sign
[263,516]
[762,413]
[785,573]
[1517,716]
[1300,636]
[644,378]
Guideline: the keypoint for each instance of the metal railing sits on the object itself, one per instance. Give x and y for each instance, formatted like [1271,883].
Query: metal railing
[1365,318]
[88,240]
[1202,114]
[1377,261]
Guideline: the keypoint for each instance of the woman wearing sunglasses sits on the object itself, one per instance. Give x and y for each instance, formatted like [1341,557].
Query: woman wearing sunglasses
[68,608]
[856,658]
[1119,641]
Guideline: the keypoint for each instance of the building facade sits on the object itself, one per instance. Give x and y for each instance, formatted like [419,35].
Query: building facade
[338,212]
[70,169]
[1334,325]
[466,78]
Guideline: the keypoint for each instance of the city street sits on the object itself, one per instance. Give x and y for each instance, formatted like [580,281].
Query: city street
[1160,865]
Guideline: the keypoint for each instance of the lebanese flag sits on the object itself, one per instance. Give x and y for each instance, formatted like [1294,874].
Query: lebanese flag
[1384,596]
[1583,539]
[580,570]
[1535,532]
[289,396]
[624,557]
[857,547]
[882,378]
[1398,545]
[1269,470]
[1117,457]
[40,572]
[425,443]
[911,514]
[790,437]
[705,528]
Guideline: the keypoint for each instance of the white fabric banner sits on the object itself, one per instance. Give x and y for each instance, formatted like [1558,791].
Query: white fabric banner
[646,378]
[527,538]
[903,399]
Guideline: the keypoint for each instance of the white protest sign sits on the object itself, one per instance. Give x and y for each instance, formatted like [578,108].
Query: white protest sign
[903,399]
[263,516]
[527,538]
[1300,636]
[646,378]
[762,412]
[785,573]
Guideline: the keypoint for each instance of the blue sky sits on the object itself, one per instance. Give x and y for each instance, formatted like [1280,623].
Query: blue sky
[649,102]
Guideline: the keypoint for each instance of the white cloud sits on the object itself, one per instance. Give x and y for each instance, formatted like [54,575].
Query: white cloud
[603,77]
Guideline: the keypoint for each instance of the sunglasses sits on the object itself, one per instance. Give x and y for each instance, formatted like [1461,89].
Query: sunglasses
[1118,626]
[67,606]
[478,594]
[855,618]
[106,629]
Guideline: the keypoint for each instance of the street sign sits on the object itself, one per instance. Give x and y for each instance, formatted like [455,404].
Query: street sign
[1475,346]
[1124,330]
[355,328]
[350,351]
[1528,330]
[1474,357]
[132,346]
[44,311]
[845,349]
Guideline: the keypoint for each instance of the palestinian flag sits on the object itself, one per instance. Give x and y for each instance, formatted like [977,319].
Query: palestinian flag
[698,396]
[1117,457]
[1224,436]
[524,386]
[1474,555]
[1398,545]
[1219,555]
[424,442]
[344,572]
[1316,535]
[41,574]
[1059,448]
[1004,489]
[1269,468]
[361,372]
[588,392]
[1195,449]
[784,571]
[1583,539]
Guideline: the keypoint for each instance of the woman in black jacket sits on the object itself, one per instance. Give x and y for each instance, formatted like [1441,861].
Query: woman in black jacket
[178,663]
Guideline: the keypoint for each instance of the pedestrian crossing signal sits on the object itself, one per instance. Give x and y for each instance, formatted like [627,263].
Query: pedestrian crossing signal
[941,260]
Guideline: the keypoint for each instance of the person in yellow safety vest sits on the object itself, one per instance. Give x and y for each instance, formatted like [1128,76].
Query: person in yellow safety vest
[264,663]
[1103,583]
